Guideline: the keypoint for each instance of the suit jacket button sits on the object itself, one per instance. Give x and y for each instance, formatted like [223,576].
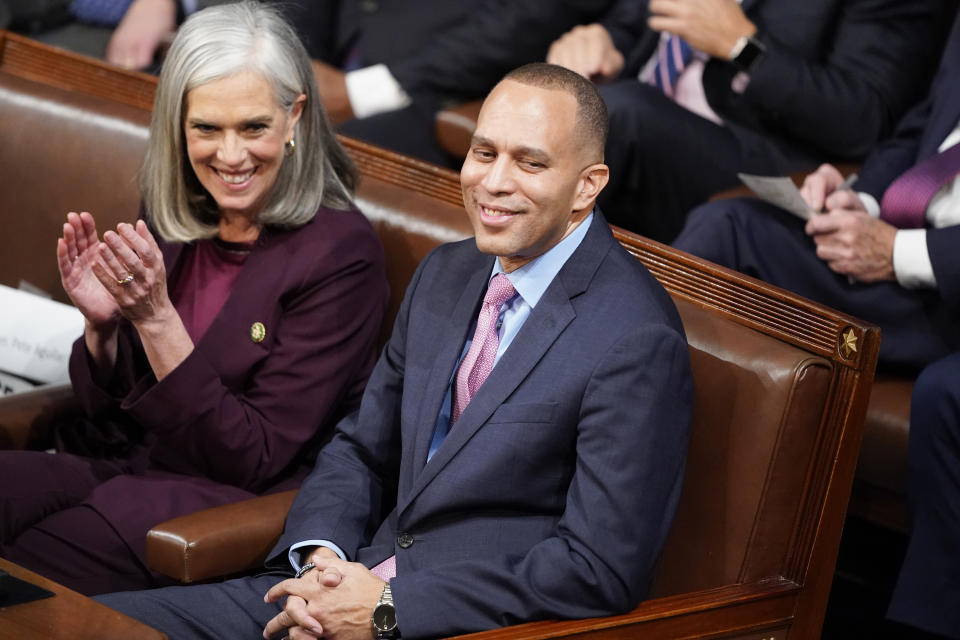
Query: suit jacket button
[405,540]
[369,6]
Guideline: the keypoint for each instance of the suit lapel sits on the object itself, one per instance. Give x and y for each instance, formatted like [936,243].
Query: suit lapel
[450,340]
[548,320]
[943,119]
[252,295]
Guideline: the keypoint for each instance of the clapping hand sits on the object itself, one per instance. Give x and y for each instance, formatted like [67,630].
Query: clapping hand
[77,253]
[123,275]
[131,269]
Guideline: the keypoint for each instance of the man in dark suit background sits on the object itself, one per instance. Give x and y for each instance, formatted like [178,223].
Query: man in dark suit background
[768,87]
[386,66]
[544,490]
[907,280]
[902,272]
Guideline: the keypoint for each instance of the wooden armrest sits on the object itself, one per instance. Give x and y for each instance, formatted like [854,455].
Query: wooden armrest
[218,542]
[744,611]
[26,418]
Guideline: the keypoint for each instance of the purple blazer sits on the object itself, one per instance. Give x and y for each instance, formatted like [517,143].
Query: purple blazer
[239,416]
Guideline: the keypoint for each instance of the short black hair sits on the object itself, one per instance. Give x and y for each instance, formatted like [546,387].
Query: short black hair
[592,115]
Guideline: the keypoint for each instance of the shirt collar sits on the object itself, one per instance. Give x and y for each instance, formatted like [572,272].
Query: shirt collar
[532,279]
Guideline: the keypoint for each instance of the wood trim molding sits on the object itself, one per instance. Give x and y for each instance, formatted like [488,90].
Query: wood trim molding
[33,60]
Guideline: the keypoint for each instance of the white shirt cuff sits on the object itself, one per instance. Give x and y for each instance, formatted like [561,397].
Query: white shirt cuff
[294,555]
[374,90]
[911,260]
[870,204]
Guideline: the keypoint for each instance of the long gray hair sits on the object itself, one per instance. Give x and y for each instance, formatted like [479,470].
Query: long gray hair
[216,43]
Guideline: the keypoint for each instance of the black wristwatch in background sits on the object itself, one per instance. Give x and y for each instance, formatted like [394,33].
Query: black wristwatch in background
[747,53]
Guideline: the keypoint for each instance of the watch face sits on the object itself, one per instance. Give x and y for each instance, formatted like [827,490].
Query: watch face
[385,617]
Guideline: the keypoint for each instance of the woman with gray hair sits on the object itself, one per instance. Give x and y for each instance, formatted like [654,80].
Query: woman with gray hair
[226,332]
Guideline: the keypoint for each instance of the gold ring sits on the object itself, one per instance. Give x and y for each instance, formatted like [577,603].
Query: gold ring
[126,279]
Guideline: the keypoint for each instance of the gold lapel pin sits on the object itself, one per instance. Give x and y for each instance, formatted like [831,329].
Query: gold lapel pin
[258,332]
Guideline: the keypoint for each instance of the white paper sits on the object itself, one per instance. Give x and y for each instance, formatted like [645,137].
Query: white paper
[779,191]
[36,335]
[10,384]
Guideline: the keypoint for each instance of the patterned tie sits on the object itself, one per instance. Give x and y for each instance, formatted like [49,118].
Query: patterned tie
[673,55]
[386,569]
[105,12]
[478,362]
[905,201]
[474,369]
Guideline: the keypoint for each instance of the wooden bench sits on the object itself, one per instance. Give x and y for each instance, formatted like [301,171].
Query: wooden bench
[781,383]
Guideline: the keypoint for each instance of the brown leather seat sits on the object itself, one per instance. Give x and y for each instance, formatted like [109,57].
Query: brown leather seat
[880,486]
[62,151]
[777,421]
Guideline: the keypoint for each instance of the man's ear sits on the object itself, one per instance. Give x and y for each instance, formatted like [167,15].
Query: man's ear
[592,181]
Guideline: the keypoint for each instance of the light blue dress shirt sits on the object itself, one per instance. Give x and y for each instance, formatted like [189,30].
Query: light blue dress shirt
[531,281]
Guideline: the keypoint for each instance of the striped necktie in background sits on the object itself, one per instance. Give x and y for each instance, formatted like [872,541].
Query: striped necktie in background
[673,55]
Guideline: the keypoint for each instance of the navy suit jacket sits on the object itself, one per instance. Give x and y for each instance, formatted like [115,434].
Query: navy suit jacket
[917,137]
[553,493]
[836,77]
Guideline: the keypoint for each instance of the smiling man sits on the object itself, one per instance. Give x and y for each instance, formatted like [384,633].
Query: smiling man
[524,431]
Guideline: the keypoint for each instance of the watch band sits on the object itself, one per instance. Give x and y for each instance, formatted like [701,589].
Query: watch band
[747,53]
[384,617]
[305,568]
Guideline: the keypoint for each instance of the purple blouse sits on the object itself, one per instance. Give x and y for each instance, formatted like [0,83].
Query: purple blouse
[207,272]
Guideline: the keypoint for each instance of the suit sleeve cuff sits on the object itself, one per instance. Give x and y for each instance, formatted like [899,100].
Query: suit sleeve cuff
[294,554]
[189,6]
[374,90]
[870,204]
[911,260]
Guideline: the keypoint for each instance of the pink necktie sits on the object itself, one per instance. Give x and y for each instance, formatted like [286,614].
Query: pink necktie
[906,199]
[386,569]
[474,369]
[478,363]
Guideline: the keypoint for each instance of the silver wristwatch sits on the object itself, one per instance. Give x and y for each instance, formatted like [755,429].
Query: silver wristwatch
[384,616]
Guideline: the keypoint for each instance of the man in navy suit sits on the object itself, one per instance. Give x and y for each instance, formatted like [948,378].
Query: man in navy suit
[928,589]
[385,68]
[905,280]
[762,86]
[544,490]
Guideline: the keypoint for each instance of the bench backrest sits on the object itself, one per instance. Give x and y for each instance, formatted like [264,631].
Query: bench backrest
[781,383]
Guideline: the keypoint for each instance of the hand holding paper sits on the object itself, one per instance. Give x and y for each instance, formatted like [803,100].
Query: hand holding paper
[818,190]
[779,191]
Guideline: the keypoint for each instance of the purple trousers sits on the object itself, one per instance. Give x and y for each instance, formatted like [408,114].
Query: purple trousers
[46,527]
